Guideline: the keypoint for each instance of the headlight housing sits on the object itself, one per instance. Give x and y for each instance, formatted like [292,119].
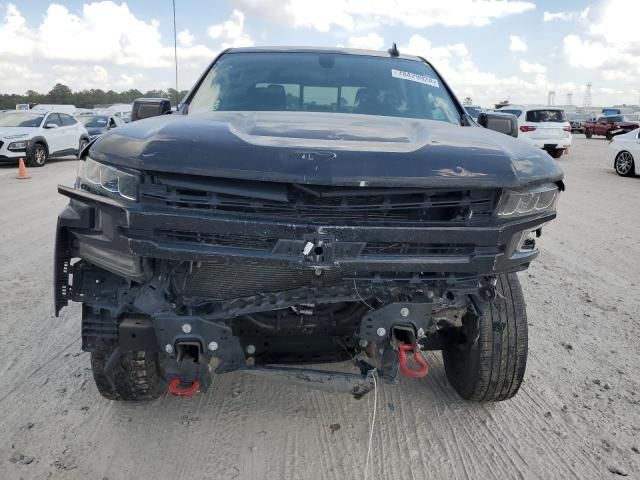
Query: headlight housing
[517,203]
[18,145]
[109,180]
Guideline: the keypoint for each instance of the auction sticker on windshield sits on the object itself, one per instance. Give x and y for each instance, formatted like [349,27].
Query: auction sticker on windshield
[415,77]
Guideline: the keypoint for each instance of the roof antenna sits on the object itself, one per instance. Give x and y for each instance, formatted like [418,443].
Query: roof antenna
[175,52]
[393,51]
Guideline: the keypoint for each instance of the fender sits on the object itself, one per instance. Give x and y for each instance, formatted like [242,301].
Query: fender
[33,141]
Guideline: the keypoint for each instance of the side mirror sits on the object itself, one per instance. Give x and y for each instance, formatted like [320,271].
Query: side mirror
[149,107]
[51,125]
[500,122]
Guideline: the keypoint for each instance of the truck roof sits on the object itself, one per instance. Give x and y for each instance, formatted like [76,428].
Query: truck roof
[337,50]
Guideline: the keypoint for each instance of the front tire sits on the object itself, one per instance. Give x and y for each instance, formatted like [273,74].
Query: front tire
[624,164]
[587,133]
[38,156]
[125,375]
[490,366]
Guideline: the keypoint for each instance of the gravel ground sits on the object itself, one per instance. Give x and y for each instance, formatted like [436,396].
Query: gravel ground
[576,416]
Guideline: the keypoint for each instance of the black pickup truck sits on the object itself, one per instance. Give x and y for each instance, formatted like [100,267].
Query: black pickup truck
[305,206]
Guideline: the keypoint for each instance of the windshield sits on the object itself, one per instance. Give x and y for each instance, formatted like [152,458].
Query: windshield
[545,116]
[20,120]
[95,121]
[615,119]
[324,82]
[473,111]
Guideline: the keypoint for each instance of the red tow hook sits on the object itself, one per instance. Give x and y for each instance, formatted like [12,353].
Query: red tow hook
[174,388]
[406,371]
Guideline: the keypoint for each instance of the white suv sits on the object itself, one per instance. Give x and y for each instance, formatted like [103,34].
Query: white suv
[37,136]
[544,127]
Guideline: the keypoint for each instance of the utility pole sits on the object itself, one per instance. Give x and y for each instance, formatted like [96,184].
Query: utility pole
[587,96]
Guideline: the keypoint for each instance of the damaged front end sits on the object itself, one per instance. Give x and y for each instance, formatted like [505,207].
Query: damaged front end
[255,276]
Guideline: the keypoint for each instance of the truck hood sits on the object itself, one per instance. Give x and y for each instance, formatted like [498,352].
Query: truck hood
[325,149]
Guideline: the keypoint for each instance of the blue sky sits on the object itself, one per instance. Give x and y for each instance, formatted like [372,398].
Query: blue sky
[558,45]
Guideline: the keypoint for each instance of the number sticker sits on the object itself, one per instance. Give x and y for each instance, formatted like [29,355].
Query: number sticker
[415,77]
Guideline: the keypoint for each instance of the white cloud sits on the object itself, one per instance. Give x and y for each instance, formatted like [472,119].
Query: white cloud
[527,67]
[565,16]
[517,44]
[103,33]
[185,38]
[466,78]
[553,16]
[357,14]
[15,38]
[371,41]
[231,32]
[616,22]
[610,46]
[455,63]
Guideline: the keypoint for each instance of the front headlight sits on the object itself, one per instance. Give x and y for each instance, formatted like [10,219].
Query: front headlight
[516,203]
[108,179]
[17,145]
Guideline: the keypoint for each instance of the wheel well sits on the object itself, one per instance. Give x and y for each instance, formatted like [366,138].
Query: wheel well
[41,142]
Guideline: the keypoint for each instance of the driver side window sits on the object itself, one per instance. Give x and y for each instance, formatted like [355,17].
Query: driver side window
[53,118]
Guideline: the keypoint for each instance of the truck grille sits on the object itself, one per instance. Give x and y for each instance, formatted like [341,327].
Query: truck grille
[220,281]
[318,204]
[417,249]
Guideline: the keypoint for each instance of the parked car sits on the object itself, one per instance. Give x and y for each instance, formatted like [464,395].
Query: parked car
[96,125]
[576,121]
[624,153]
[305,205]
[38,136]
[577,126]
[609,126]
[473,110]
[545,127]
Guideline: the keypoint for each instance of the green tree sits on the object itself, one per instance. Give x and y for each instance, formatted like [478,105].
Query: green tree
[60,94]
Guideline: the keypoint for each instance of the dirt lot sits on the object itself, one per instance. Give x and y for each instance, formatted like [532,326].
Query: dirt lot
[577,415]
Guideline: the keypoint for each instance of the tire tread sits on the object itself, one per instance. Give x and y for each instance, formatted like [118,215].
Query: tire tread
[493,368]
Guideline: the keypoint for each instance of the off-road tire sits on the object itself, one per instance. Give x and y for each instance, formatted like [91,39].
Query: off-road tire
[125,375]
[587,133]
[490,366]
[557,153]
[38,156]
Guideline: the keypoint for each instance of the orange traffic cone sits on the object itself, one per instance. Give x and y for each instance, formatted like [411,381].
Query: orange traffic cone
[22,171]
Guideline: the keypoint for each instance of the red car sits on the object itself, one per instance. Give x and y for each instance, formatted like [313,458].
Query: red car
[608,126]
